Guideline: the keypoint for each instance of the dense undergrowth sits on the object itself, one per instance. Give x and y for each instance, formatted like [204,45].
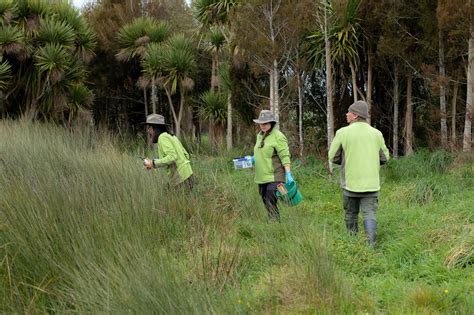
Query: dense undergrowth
[83,228]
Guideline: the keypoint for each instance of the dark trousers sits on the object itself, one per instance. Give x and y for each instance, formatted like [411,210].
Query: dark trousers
[187,184]
[369,206]
[269,198]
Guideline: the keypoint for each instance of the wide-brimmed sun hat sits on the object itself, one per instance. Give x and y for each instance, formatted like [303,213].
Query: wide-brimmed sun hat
[155,119]
[265,116]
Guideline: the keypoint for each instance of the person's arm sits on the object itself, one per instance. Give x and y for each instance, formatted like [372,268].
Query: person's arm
[283,152]
[167,152]
[384,154]
[335,148]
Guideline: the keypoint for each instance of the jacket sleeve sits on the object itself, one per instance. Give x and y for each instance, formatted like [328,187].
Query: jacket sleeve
[167,152]
[334,153]
[383,152]
[283,150]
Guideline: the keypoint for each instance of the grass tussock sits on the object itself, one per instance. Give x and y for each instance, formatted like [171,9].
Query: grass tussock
[83,228]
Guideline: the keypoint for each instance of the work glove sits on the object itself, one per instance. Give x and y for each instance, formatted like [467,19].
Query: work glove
[289,178]
[250,158]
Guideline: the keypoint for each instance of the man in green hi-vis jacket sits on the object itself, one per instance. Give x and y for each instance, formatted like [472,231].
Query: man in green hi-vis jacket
[360,150]
[171,152]
[272,161]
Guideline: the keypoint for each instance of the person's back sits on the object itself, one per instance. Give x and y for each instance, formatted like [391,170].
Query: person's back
[171,152]
[361,153]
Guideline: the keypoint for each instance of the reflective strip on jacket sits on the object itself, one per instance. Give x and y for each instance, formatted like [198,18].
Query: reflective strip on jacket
[270,159]
[360,150]
[173,155]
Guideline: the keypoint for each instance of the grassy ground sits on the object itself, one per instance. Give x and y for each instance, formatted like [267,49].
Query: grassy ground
[84,229]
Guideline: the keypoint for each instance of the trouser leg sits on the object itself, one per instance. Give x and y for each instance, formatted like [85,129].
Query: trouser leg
[369,207]
[269,198]
[351,207]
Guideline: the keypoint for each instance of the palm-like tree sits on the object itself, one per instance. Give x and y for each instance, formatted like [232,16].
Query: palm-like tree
[171,64]
[214,14]
[213,109]
[47,46]
[134,40]
[337,39]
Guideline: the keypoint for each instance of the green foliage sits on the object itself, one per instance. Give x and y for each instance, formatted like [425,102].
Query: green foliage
[47,46]
[83,228]
[133,38]
[213,107]
[5,74]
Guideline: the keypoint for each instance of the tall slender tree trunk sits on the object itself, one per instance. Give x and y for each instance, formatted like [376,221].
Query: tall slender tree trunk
[467,138]
[354,80]
[329,81]
[453,115]
[370,83]
[396,102]
[276,87]
[214,79]
[154,96]
[229,120]
[442,93]
[409,117]
[145,101]
[182,100]
[300,112]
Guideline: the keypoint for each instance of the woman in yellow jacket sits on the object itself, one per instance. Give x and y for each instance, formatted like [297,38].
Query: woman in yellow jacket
[272,161]
[171,153]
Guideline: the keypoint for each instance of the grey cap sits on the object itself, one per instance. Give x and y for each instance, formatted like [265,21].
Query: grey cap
[155,119]
[360,108]
[265,116]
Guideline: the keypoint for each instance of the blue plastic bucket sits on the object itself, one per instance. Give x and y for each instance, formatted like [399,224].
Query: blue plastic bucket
[292,197]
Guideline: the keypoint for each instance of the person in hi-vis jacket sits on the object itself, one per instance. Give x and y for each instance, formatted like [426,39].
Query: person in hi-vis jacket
[360,150]
[171,153]
[272,161]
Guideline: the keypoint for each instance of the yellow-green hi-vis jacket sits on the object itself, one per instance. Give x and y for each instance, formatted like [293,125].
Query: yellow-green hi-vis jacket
[173,155]
[360,150]
[271,158]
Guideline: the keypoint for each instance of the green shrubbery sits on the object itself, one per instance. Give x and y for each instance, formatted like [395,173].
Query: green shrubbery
[83,228]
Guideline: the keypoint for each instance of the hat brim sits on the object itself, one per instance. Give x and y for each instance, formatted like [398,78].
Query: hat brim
[258,121]
[153,124]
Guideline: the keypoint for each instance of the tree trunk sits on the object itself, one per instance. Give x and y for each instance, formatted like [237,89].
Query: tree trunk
[442,93]
[467,138]
[180,113]
[300,112]
[396,102]
[145,101]
[214,79]
[154,96]
[370,84]
[229,120]
[409,117]
[272,94]
[354,80]
[453,115]
[329,82]
[276,96]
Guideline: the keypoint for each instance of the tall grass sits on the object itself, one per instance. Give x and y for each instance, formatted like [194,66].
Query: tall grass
[83,228]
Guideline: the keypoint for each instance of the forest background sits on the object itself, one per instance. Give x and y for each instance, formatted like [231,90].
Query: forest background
[210,66]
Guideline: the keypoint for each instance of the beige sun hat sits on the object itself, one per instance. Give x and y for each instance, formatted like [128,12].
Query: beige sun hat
[265,116]
[155,119]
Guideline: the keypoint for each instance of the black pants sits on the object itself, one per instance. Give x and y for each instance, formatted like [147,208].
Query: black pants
[269,198]
[188,184]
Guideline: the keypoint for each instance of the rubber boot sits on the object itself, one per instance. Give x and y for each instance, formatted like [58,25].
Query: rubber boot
[370,227]
[352,226]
